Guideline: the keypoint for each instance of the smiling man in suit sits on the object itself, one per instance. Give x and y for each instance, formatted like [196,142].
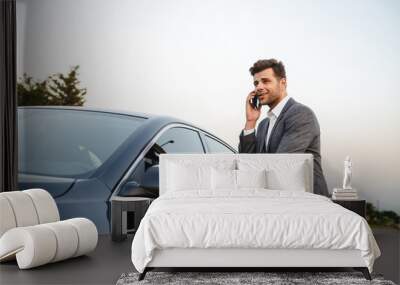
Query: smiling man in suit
[290,127]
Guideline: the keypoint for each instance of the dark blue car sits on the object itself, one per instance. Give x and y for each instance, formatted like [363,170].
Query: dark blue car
[84,156]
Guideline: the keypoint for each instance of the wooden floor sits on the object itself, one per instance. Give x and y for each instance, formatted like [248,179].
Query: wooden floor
[110,259]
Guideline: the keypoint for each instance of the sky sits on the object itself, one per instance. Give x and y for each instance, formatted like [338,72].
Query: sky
[191,59]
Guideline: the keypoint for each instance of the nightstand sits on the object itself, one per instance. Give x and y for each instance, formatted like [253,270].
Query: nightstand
[357,206]
[126,214]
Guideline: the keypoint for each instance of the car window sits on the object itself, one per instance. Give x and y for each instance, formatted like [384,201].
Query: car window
[180,140]
[174,140]
[69,143]
[215,146]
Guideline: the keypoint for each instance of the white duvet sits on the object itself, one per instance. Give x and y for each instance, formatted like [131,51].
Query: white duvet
[250,219]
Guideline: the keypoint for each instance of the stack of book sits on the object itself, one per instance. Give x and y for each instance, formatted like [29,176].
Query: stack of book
[344,194]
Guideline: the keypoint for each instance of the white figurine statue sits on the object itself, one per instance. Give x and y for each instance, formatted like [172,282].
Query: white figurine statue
[347,173]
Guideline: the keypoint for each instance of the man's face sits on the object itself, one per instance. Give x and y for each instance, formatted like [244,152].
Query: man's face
[268,87]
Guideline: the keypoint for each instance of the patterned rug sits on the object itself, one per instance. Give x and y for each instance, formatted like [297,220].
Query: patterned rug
[229,278]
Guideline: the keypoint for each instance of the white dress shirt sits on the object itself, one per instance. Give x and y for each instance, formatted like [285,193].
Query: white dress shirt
[273,116]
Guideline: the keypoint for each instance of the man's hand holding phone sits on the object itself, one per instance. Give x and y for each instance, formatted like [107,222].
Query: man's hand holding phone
[252,113]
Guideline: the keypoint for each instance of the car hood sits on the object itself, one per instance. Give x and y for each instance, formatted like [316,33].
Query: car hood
[56,186]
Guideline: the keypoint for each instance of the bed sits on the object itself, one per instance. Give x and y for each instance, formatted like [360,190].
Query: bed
[247,210]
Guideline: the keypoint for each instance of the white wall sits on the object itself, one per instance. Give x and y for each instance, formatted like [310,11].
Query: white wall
[190,59]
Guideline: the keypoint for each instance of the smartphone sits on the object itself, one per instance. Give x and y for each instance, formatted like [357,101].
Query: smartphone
[255,102]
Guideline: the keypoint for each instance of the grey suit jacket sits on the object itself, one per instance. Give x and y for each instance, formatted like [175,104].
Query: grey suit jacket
[296,130]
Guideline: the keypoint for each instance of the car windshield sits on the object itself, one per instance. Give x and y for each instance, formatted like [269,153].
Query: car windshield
[69,143]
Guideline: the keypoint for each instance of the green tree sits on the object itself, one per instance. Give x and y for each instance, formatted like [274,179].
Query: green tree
[31,93]
[57,89]
[382,218]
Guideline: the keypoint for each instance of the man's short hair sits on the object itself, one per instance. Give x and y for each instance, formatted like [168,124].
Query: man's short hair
[277,67]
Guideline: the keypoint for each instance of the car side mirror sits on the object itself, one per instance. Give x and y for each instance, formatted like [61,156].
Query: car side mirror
[151,178]
[148,188]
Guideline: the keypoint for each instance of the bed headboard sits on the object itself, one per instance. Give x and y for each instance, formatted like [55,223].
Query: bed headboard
[233,161]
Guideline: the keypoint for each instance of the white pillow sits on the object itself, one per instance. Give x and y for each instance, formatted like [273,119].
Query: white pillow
[252,178]
[287,175]
[223,179]
[187,177]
